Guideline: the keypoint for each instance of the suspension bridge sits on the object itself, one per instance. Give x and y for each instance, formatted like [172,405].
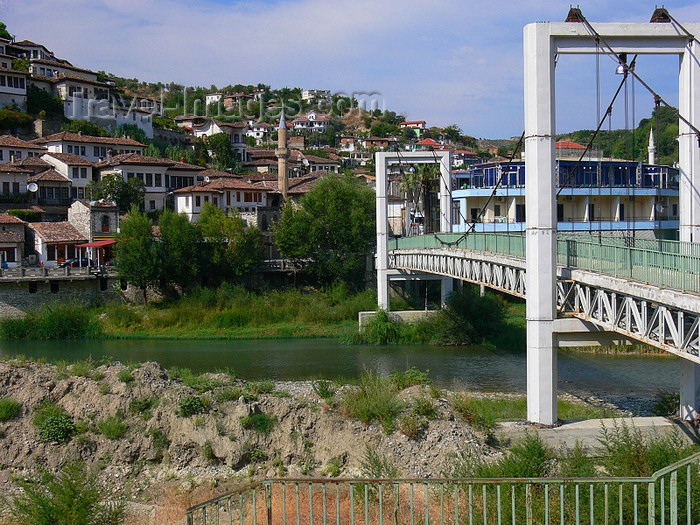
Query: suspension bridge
[581,288]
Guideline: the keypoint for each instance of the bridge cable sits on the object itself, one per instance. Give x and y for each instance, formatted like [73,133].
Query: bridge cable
[619,59]
[488,201]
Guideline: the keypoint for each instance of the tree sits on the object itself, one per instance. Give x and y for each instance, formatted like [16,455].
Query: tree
[85,127]
[180,251]
[4,33]
[232,249]
[72,497]
[20,64]
[220,145]
[250,141]
[126,194]
[132,131]
[39,100]
[331,230]
[11,119]
[137,254]
[453,133]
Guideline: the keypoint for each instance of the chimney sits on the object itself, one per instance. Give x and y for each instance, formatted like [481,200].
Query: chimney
[80,133]
[182,159]
[12,158]
[109,156]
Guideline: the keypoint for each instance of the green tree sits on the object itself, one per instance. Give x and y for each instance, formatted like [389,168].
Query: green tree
[4,33]
[251,142]
[137,254]
[180,250]
[453,133]
[39,100]
[132,131]
[331,230]
[11,119]
[220,146]
[74,496]
[20,64]
[125,194]
[232,249]
[85,127]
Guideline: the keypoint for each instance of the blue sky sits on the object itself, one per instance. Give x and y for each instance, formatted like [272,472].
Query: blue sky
[443,61]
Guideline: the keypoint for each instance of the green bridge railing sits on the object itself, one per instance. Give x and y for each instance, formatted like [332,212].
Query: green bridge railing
[672,264]
[671,495]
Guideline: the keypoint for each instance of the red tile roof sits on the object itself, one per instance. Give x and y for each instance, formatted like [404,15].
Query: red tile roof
[14,142]
[70,159]
[566,144]
[6,218]
[57,232]
[68,136]
[427,142]
[48,176]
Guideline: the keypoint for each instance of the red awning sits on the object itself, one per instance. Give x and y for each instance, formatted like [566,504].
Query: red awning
[96,244]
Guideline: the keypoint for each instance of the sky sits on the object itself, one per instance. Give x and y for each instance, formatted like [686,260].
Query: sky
[442,61]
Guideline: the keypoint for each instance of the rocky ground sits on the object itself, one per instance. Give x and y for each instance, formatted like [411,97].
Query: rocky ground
[164,460]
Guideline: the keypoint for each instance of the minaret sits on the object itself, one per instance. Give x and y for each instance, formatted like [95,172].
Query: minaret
[282,154]
[651,149]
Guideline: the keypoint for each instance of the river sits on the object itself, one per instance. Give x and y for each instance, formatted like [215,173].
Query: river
[473,368]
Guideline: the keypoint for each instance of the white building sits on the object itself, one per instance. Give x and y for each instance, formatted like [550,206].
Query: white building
[93,149]
[225,192]
[160,176]
[15,148]
[31,50]
[212,98]
[236,132]
[13,88]
[311,121]
[55,242]
[260,131]
[308,95]
[74,168]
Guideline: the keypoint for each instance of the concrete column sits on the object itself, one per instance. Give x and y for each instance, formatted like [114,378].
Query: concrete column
[690,389]
[540,225]
[446,289]
[445,191]
[689,152]
[382,261]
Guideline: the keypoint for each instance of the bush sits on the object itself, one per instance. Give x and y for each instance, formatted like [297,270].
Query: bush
[25,215]
[9,408]
[125,376]
[112,427]
[53,423]
[232,393]
[199,382]
[323,389]
[412,426]
[71,497]
[424,407]
[83,368]
[260,422]
[53,321]
[374,400]
[410,377]
[265,386]
[208,451]
[191,405]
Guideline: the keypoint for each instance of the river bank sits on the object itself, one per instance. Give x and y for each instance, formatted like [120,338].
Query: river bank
[155,434]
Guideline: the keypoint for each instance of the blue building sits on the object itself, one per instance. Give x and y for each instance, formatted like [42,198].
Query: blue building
[611,196]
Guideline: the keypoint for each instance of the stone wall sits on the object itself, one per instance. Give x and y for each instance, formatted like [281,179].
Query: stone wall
[18,296]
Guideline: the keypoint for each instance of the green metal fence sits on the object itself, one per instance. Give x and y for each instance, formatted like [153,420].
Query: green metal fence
[671,495]
[672,264]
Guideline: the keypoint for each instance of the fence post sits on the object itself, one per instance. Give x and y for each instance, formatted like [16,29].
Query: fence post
[651,497]
[268,503]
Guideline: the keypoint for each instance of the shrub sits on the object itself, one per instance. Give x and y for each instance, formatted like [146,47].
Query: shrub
[232,393]
[381,330]
[83,368]
[25,215]
[410,377]
[374,400]
[260,387]
[323,389]
[53,423]
[9,408]
[208,451]
[476,411]
[412,426]
[424,407]
[53,321]
[72,497]
[199,382]
[191,405]
[125,376]
[112,427]
[260,422]
[666,403]
[143,406]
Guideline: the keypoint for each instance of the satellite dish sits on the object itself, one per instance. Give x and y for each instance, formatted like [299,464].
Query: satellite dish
[305,162]
[206,178]
[659,208]
[32,187]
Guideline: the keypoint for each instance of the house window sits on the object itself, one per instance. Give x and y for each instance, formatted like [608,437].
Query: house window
[187,201]
[158,180]
[81,193]
[153,205]
[5,188]
[70,148]
[15,187]
[228,198]
[82,150]
[83,173]
[75,173]
[197,201]
[105,223]
[149,179]
[96,151]
[216,201]
[51,252]
[206,198]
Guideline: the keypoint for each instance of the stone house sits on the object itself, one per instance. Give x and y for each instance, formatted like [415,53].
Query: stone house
[54,242]
[96,220]
[11,240]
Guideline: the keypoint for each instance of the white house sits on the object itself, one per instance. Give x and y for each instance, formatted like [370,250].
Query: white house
[311,121]
[235,130]
[212,98]
[55,242]
[225,192]
[15,148]
[75,168]
[260,131]
[93,149]
[308,95]
[13,88]
[158,174]
[32,50]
